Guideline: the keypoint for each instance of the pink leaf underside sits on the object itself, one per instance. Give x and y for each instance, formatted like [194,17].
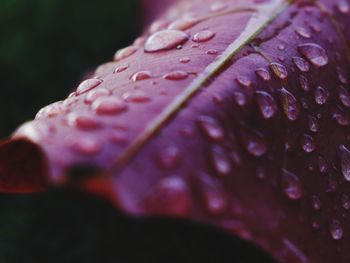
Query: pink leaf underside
[220,115]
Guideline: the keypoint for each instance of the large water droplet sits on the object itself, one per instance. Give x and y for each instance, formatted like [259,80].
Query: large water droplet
[321,95]
[263,74]
[203,36]
[220,160]
[176,75]
[291,185]
[344,156]
[107,106]
[165,39]
[301,64]
[314,53]
[141,75]
[307,143]
[124,53]
[183,23]
[290,104]
[211,128]
[170,157]
[267,104]
[279,70]
[88,85]
[336,229]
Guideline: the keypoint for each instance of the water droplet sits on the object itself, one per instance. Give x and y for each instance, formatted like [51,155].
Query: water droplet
[137,96]
[315,28]
[281,47]
[301,31]
[121,69]
[341,75]
[321,95]
[141,75]
[345,200]
[195,45]
[344,96]
[304,83]
[336,229]
[107,106]
[307,143]
[344,156]
[315,223]
[267,104]
[291,185]
[52,110]
[314,53]
[279,70]
[169,157]
[185,60]
[263,74]
[316,202]
[124,53]
[92,95]
[203,36]
[88,85]
[158,25]
[211,128]
[244,81]
[220,161]
[164,40]
[343,6]
[218,6]
[301,64]
[341,117]
[176,75]
[183,23]
[240,98]
[212,52]
[254,142]
[322,165]
[290,104]
[313,124]
[86,145]
[85,122]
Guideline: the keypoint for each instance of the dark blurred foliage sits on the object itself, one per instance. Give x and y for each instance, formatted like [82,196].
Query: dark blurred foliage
[46,46]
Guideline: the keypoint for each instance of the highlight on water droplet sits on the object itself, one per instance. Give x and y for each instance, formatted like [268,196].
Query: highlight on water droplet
[165,40]
[109,105]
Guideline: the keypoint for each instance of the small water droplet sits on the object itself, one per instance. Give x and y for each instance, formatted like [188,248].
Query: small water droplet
[345,200]
[88,85]
[176,75]
[263,74]
[307,143]
[183,23]
[341,75]
[322,165]
[344,96]
[316,202]
[315,28]
[211,128]
[315,223]
[279,70]
[254,142]
[185,60]
[121,69]
[313,124]
[86,145]
[290,104]
[281,47]
[314,53]
[304,83]
[169,158]
[137,96]
[141,75]
[107,106]
[240,98]
[291,185]
[336,229]
[124,53]
[212,52]
[52,110]
[195,45]
[220,160]
[341,117]
[92,95]
[343,6]
[164,40]
[301,64]
[267,104]
[344,156]
[321,95]
[85,122]
[244,81]
[303,32]
[203,36]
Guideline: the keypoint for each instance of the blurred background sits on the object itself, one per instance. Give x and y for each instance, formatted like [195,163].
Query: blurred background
[47,46]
